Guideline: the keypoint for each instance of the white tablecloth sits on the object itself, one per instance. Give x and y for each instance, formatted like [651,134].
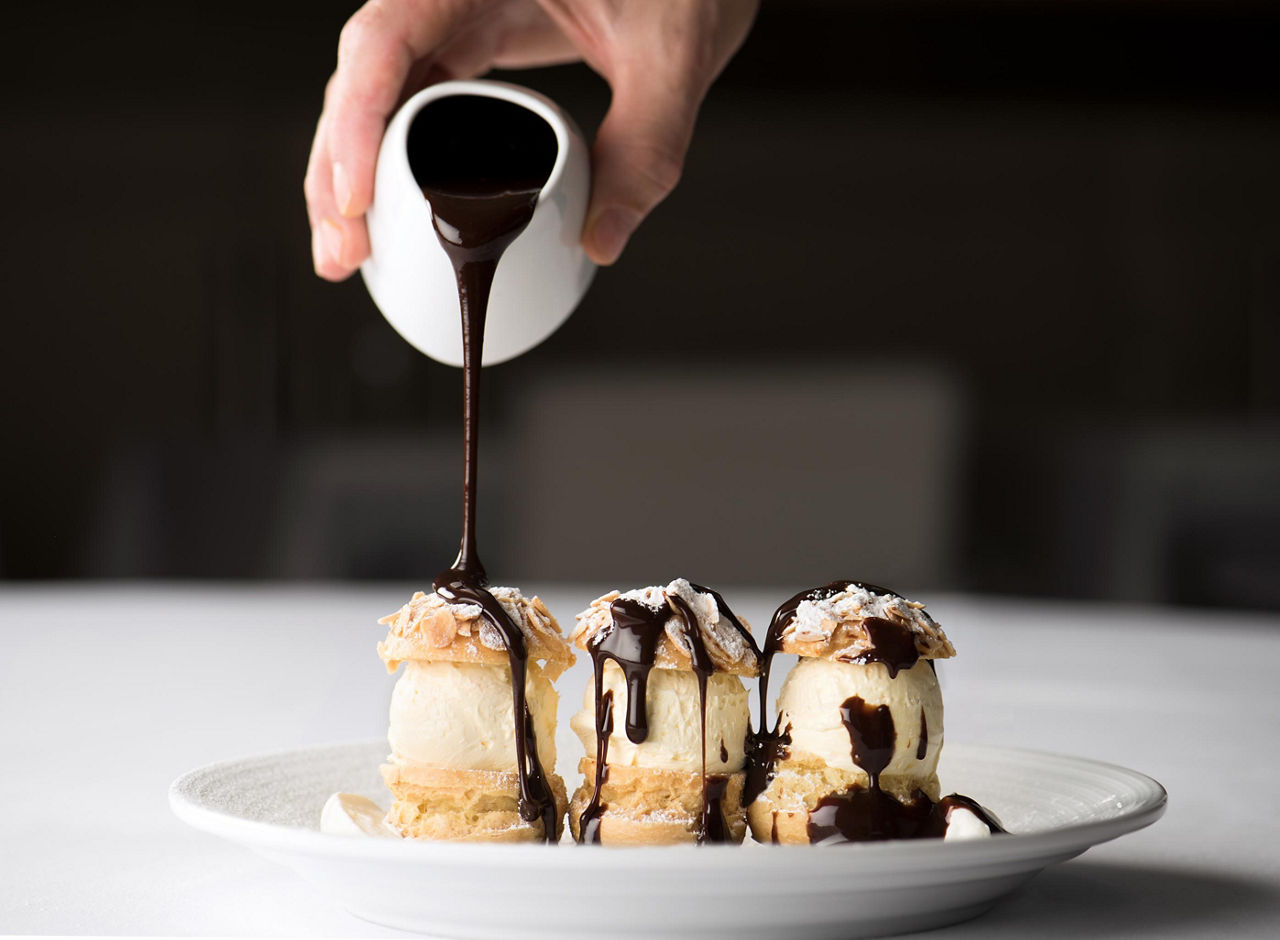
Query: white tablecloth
[108,693]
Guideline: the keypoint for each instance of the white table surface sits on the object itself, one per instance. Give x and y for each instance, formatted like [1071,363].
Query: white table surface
[109,692]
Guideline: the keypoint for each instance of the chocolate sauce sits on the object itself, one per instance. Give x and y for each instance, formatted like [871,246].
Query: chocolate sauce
[481,163]
[724,752]
[859,814]
[868,814]
[891,645]
[712,826]
[942,810]
[589,821]
[632,643]
[783,616]
[764,747]
[871,736]
[871,815]
[764,750]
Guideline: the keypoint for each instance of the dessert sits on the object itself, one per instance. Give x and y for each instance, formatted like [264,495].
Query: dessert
[665,716]
[853,754]
[461,766]
[472,724]
[474,707]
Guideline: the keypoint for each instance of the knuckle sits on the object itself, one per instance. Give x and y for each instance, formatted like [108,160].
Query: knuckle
[365,25]
[661,169]
[373,59]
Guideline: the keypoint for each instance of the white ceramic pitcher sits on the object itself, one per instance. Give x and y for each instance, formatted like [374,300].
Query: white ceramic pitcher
[543,274]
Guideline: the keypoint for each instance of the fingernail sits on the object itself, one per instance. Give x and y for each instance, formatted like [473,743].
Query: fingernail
[331,240]
[341,188]
[610,232]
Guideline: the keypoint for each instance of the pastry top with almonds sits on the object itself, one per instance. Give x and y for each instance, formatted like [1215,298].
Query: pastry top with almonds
[431,629]
[840,626]
[730,651]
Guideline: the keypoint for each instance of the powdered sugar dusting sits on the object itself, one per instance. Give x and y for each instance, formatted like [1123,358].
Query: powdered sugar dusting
[727,648]
[832,626]
[429,627]
[816,619]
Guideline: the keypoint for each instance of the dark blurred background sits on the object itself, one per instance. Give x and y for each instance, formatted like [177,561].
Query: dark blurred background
[952,295]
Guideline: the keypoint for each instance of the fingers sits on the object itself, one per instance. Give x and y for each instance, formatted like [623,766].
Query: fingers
[659,59]
[327,238]
[636,160]
[376,50]
[529,38]
[338,245]
[374,58]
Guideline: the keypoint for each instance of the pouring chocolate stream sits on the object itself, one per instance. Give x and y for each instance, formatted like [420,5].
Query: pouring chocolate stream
[481,163]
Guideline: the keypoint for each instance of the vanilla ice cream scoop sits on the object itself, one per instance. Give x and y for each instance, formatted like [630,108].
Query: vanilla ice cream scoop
[459,716]
[349,814]
[675,727]
[815,692]
[963,824]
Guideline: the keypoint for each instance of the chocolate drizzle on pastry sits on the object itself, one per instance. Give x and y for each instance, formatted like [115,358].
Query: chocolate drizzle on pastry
[765,747]
[890,644]
[632,643]
[865,815]
[589,821]
[481,163]
[868,814]
[786,613]
[871,735]
[859,814]
[764,750]
[712,826]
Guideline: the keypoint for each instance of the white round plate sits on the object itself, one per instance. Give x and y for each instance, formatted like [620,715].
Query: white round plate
[1056,807]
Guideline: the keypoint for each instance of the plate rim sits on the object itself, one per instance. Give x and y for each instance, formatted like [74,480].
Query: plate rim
[1064,841]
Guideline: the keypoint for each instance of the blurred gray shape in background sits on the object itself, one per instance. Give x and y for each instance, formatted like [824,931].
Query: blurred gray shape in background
[793,473]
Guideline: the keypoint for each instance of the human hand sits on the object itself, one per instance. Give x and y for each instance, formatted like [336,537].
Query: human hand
[659,59]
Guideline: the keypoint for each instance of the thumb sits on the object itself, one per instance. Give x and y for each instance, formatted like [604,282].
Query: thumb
[636,161]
